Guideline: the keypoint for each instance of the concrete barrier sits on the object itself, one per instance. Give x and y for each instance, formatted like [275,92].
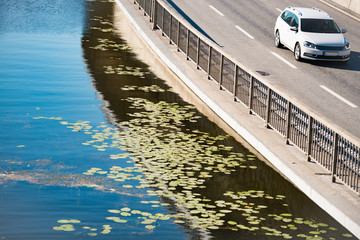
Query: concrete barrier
[352,5]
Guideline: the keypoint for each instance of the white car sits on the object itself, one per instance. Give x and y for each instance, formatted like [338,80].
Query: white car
[311,34]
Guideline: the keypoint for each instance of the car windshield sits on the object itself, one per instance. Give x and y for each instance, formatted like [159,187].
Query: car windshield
[319,26]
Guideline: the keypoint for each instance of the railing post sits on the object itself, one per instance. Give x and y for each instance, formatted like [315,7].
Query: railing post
[251,94]
[145,8]
[187,44]
[151,10]
[235,81]
[288,122]
[209,62]
[162,21]
[268,107]
[221,71]
[309,138]
[171,17]
[198,53]
[335,156]
[178,36]
[154,13]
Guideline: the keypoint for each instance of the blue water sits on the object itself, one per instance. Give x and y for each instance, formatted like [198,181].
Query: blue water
[51,75]
[43,74]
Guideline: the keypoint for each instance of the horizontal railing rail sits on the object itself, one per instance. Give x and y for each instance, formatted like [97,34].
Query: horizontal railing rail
[319,141]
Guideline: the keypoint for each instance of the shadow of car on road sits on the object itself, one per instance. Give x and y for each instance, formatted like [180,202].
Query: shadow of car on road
[352,65]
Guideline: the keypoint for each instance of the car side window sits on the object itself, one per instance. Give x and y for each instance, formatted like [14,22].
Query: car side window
[287,17]
[284,15]
[295,22]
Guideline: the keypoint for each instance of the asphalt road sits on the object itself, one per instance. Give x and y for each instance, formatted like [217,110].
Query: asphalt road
[244,29]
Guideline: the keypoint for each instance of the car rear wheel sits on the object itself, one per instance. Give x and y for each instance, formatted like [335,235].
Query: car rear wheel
[277,39]
[297,52]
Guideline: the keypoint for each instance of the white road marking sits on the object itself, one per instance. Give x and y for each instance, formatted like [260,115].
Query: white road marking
[338,96]
[217,11]
[284,60]
[244,32]
[279,9]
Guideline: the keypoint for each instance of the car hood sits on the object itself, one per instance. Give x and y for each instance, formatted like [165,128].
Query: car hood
[328,39]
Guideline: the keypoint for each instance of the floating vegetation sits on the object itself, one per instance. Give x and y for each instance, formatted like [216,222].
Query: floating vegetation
[152,88]
[106,44]
[65,227]
[101,20]
[173,163]
[124,70]
[91,231]
[51,118]
[69,221]
[48,172]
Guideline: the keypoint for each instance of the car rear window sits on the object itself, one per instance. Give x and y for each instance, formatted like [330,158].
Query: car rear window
[319,26]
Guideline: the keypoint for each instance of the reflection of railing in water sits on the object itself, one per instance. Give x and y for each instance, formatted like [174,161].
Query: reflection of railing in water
[321,143]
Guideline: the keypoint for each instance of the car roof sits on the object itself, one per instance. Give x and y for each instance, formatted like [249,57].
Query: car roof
[309,12]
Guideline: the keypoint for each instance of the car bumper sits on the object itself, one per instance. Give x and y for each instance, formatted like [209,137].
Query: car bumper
[327,55]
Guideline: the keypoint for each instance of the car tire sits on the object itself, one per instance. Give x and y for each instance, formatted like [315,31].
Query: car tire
[277,39]
[297,52]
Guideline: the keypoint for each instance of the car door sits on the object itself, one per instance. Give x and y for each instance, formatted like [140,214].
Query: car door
[287,18]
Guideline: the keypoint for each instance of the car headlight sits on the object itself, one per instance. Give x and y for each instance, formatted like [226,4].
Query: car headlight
[347,44]
[309,45]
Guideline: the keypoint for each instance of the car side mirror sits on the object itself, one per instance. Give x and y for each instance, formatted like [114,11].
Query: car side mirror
[295,29]
[343,30]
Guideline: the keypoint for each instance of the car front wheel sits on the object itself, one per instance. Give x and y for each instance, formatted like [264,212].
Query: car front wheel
[297,52]
[277,39]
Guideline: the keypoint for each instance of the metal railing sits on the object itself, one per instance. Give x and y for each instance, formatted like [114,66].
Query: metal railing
[319,142]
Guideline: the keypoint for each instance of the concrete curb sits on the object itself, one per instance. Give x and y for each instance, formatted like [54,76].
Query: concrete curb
[304,186]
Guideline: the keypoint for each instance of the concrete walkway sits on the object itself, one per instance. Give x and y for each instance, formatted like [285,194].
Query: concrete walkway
[337,199]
